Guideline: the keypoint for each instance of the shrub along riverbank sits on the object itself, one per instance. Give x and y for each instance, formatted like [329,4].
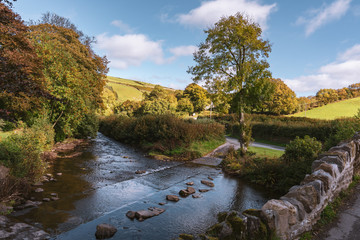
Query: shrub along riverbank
[165,134]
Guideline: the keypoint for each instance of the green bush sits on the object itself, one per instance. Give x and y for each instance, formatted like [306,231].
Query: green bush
[302,149]
[161,132]
[21,152]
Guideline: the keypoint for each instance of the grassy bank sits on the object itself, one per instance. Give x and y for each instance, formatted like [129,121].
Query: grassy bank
[265,152]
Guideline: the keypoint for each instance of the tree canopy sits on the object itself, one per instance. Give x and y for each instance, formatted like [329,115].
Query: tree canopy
[73,74]
[283,101]
[232,60]
[197,95]
[22,85]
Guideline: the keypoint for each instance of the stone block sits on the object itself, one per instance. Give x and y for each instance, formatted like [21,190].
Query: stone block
[307,195]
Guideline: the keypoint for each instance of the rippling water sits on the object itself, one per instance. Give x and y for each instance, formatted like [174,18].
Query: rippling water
[100,186]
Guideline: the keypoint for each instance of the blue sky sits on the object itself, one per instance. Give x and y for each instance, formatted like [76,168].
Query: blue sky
[315,44]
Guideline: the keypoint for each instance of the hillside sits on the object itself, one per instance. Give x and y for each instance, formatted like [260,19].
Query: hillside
[345,108]
[129,89]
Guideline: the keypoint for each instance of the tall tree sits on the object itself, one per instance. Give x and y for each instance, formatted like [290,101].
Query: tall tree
[73,74]
[233,59]
[22,84]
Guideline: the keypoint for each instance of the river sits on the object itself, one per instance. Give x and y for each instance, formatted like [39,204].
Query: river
[100,186]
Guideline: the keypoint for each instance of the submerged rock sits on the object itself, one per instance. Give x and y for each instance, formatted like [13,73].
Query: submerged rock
[20,231]
[151,212]
[207,183]
[190,183]
[204,190]
[197,195]
[38,190]
[104,231]
[140,172]
[131,214]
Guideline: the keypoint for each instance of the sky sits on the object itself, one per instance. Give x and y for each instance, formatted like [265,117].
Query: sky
[315,43]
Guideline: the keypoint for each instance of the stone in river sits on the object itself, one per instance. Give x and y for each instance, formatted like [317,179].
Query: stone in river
[207,183]
[186,192]
[140,171]
[173,198]
[130,214]
[190,183]
[104,231]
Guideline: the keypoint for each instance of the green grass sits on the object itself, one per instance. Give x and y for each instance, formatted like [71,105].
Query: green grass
[205,147]
[125,92]
[127,89]
[346,108]
[4,135]
[279,144]
[265,152]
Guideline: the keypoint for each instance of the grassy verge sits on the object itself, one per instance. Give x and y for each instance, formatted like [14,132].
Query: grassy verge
[271,142]
[330,212]
[265,152]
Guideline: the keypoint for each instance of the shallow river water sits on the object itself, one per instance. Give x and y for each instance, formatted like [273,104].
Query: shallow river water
[100,186]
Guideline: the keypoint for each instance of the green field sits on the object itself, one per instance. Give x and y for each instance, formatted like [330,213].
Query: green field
[129,89]
[265,152]
[346,108]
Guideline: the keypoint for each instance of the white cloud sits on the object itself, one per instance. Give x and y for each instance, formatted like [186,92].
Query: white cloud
[319,17]
[130,49]
[123,26]
[211,11]
[183,50]
[341,73]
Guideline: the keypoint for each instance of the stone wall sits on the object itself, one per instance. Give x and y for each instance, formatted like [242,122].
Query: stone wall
[296,212]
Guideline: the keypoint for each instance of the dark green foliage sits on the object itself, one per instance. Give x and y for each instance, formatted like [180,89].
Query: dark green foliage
[302,150]
[345,129]
[88,127]
[164,132]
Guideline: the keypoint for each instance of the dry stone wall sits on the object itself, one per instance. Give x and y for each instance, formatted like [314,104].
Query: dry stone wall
[298,210]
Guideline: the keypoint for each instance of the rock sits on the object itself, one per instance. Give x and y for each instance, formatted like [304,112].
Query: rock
[204,190]
[19,231]
[210,178]
[59,174]
[46,199]
[37,184]
[207,183]
[4,172]
[49,175]
[53,194]
[190,183]
[173,198]
[130,214]
[197,195]
[28,204]
[140,171]
[54,198]
[162,203]
[186,192]
[104,231]
[151,212]
[38,190]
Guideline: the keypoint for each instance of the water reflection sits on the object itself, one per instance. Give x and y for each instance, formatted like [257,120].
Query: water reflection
[101,185]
